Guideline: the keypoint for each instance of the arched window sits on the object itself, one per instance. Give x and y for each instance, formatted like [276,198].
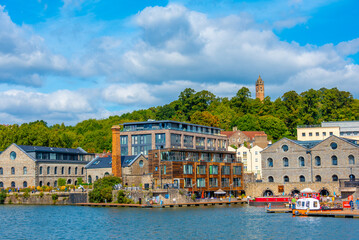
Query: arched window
[24,184]
[96,178]
[270,162]
[48,184]
[286,179]
[335,178]
[334,160]
[12,170]
[82,171]
[48,170]
[1,184]
[106,174]
[40,183]
[69,181]
[25,170]
[75,170]
[55,184]
[270,179]
[140,163]
[55,170]
[13,184]
[285,162]
[351,159]
[1,171]
[301,178]
[69,170]
[352,177]
[63,170]
[89,179]
[318,178]
[40,170]
[318,162]
[301,162]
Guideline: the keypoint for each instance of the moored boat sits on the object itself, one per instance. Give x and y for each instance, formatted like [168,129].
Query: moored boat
[305,206]
[264,201]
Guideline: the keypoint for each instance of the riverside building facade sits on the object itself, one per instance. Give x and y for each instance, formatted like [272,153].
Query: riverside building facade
[200,171]
[23,166]
[141,137]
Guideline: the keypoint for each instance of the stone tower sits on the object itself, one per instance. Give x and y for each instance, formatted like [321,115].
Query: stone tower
[116,151]
[260,88]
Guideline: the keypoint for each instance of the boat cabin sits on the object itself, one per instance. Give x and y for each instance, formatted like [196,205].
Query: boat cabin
[305,203]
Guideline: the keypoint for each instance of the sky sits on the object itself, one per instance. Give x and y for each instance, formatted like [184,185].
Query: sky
[65,61]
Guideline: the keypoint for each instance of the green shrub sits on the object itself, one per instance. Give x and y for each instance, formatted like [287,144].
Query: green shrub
[55,197]
[2,197]
[121,198]
[26,194]
[42,194]
[102,189]
[80,181]
[61,182]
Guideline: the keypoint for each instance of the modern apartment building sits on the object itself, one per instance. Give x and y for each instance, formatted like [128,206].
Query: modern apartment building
[140,137]
[200,171]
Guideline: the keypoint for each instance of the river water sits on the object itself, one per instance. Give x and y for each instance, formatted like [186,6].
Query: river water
[220,222]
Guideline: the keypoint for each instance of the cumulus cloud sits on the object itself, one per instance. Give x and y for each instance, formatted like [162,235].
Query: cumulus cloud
[62,104]
[23,57]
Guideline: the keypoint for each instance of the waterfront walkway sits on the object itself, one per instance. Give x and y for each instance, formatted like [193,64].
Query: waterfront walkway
[169,205]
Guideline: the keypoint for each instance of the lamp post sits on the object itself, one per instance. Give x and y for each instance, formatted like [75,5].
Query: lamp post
[311,164]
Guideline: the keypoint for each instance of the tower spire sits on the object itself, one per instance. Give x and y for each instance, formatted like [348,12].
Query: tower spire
[260,88]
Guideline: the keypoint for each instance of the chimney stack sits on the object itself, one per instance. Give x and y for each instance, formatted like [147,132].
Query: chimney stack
[116,151]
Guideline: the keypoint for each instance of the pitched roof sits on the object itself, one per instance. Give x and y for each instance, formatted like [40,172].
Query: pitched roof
[106,162]
[227,133]
[252,134]
[51,149]
[307,144]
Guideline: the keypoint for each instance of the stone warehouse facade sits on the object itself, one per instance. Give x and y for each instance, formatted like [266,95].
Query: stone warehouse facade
[23,166]
[288,161]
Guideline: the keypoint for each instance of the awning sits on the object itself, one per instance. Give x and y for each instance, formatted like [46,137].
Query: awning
[219,191]
[307,190]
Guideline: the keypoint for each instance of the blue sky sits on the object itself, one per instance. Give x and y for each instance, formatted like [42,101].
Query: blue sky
[71,60]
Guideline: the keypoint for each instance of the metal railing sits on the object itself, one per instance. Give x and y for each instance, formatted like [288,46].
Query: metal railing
[349,183]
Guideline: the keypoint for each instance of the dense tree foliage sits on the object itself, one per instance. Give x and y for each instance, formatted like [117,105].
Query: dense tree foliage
[102,190]
[277,118]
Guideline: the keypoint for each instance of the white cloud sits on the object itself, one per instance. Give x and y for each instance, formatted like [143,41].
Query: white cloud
[23,57]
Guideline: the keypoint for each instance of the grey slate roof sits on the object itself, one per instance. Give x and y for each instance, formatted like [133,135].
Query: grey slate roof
[52,149]
[106,162]
[307,144]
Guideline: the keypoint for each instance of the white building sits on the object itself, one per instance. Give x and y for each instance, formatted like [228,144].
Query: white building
[251,158]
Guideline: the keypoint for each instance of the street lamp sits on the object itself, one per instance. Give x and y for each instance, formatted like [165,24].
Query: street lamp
[311,164]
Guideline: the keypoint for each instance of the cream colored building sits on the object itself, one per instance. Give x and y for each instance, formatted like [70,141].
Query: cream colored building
[251,158]
[345,129]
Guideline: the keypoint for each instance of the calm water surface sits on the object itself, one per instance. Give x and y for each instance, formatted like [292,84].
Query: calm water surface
[237,222]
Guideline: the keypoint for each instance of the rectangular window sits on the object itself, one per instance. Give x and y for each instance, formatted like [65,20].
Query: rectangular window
[324,134]
[211,144]
[237,170]
[236,182]
[331,133]
[52,156]
[160,138]
[124,151]
[188,182]
[175,140]
[303,134]
[225,182]
[310,134]
[124,140]
[317,134]
[201,169]
[187,169]
[201,182]
[213,169]
[188,141]
[200,143]
[213,182]
[226,170]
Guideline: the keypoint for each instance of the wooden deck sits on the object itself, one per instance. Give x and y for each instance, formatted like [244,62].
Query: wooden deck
[337,214]
[279,210]
[196,204]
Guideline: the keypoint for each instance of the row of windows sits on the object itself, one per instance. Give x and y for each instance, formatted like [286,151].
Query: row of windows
[317,161]
[48,170]
[13,185]
[89,178]
[213,169]
[317,178]
[333,145]
[310,134]
[213,182]
[25,185]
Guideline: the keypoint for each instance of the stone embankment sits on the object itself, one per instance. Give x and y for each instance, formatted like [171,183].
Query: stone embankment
[46,198]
